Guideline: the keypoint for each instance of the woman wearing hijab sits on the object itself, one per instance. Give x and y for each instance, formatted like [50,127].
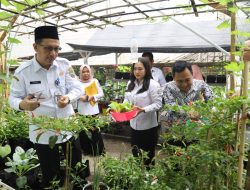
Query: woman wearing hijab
[87,105]
[145,95]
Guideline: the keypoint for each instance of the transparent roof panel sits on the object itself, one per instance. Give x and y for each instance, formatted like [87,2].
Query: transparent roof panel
[72,15]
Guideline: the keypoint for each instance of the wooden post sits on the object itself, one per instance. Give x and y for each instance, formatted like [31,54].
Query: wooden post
[247,185]
[2,58]
[246,56]
[232,50]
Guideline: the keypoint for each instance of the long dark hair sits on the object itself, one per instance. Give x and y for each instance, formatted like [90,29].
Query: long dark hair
[147,77]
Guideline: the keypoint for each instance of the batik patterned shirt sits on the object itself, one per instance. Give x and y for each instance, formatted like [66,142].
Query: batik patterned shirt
[172,96]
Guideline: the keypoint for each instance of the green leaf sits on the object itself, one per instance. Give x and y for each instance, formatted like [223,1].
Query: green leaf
[247,20]
[224,24]
[38,137]
[19,7]
[12,61]
[233,66]
[204,1]
[5,15]
[5,28]
[40,12]
[246,9]
[239,33]
[21,181]
[9,170]
[238,53]
[30,2]
[52,141]
[5,3]
[117,107]
[5,150]
[224,2]
[233,9]
[165,18]
[14,40]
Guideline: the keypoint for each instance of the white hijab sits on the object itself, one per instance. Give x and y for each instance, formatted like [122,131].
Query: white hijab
[90,71]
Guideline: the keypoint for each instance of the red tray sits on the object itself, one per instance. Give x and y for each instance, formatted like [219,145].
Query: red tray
[124,116]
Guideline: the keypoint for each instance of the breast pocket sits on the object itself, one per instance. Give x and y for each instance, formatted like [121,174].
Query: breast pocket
[36,89]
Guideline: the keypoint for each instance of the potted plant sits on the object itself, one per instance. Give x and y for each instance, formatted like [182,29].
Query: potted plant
[97,183]
[21,163]
[129,172]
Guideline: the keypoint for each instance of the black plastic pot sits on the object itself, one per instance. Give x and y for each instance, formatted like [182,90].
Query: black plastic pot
[216,79]
[221,79]
[211,79]
[126,76]
[118,75]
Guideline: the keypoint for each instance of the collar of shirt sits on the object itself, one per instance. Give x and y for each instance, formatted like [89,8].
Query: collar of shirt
[137,83]
[37,66]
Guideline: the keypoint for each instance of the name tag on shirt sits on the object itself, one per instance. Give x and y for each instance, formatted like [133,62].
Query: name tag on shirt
[35,82]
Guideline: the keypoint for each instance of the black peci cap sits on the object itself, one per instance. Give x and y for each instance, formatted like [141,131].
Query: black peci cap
[46,32]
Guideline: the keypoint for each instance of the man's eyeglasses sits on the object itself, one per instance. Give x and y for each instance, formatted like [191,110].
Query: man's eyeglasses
[50,48]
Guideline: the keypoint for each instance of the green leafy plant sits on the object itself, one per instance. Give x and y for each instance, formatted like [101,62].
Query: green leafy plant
[100,75]
[124,68]
[5,150]
[207,157]
[97,180]
[73,124]
[21,163]
[129,172]
[120,107]
[114,90]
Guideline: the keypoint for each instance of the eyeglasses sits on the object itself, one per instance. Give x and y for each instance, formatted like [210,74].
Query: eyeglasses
[50,48]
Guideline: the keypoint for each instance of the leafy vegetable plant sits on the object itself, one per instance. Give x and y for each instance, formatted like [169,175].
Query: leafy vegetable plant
[120,107]
[21,163]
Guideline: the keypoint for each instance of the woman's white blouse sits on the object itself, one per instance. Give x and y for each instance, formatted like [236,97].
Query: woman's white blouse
[150,101]
[85,108]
